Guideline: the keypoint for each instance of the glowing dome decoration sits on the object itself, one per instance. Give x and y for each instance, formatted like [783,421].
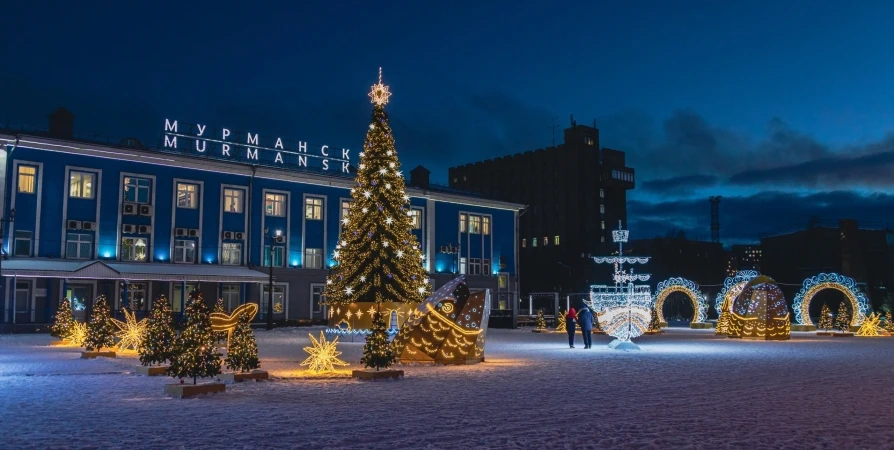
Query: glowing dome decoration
[760,312]
[625,309]
[732,287]
[841,283]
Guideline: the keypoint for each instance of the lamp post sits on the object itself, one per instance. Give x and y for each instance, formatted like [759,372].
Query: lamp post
[271,238]
[451,250]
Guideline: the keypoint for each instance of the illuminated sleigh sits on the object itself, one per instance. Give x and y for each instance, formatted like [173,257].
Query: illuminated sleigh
[450,327]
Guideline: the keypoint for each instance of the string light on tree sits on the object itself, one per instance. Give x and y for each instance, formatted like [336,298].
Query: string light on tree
[64,320]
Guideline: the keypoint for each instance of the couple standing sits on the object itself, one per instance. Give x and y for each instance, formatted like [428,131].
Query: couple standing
[584,318]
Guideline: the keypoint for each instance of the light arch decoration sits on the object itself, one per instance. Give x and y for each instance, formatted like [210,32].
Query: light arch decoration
[732,287]
[844,284]
[688,287]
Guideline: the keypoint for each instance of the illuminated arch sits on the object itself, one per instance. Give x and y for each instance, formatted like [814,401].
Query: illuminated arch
[732,287]
[690,288]
[845,285]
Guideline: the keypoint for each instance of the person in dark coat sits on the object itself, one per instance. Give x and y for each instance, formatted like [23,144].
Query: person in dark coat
[570,319]
[585,320]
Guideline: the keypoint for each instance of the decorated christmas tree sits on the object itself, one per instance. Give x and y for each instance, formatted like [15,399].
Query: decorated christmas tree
[157,346]
[825,321]
[219,308]
[64,319]
[842,319]
[560,321]
[100,329]
[654,323]
[242,353]
[889,322]
[377,352]
[596,327]
[378,257]
[195,351]
[541,321]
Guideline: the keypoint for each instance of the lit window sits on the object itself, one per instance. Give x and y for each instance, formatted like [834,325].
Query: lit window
[279,294]
[601,209]
[524,243]
[231,254]
[233,200]
[136,190]
[556,240]
[462,223]
[79,246]
[313,258]
[603,224]
[602,193]
[345,208]
[275,205]
[27,176]
[462,266]
[187,195]
[22,243]
[416,219]
[278,253]
[485,225]
[313,208]
[316,297]
[133,249]
[184,251]
[475,224]
[135,293]
[545,241]
[231,295]
[534,242]
[80,185]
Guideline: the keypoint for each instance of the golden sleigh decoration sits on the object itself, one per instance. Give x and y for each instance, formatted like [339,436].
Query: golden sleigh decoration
[221,322]
[450,327]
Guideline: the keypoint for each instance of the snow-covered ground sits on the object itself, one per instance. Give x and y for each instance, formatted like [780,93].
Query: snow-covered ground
[686,389]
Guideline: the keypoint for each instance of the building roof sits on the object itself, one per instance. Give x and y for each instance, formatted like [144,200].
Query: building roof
[116,270]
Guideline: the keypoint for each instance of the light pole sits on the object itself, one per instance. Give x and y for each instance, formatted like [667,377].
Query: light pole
[270,237]
[451,250]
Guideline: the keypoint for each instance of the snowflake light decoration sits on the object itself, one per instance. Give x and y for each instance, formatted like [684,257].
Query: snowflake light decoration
[77,334]
[131,331]
[322,355]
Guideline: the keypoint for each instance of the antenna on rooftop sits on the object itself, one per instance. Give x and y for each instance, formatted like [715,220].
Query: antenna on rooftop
[553,128]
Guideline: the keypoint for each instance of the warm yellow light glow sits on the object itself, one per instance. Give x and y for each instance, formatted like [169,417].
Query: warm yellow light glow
[221,322]
[379,93]
[131,331]
[323,355]
[808,296]
[870,326]
[77,334]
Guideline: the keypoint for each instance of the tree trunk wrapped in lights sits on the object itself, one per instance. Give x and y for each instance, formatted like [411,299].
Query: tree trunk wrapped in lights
[377,352]
[100,329]
[242,352]
[158,343]
[825,321]
[843,319]
[195,353]
[64,320]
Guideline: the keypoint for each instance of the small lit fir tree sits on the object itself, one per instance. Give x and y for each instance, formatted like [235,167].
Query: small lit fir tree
[158,343]
[825,321]
[219,308]
[560,321]
[64,320]
[242,353]
[723,322]
[541,321]
[889,322]
[654,324]
[842,319]
[378,353]
[195,352]
[100,329]
[378,257]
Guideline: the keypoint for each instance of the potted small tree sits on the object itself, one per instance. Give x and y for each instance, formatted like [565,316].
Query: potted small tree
[100,331]
[195,353]
[157,347]
[843,321]
[62,325]
[378,353]
[242,354]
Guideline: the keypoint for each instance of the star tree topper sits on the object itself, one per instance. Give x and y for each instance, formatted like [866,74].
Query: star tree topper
[379,93]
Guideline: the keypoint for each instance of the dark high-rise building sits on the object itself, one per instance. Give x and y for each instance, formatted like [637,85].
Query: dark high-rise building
[576,193]
[744,257]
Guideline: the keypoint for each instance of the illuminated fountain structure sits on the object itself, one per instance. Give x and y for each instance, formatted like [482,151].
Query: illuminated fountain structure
[625,309]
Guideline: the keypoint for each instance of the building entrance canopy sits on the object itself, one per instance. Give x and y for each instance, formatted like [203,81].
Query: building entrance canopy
[115,270]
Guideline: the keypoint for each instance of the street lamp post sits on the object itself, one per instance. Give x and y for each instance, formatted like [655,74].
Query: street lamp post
[4,220]
[271,238]
[451,250]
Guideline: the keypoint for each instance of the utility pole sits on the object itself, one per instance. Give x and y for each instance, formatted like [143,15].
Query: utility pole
[553,127]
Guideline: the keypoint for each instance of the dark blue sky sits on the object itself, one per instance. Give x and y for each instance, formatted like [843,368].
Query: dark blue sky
[784,108]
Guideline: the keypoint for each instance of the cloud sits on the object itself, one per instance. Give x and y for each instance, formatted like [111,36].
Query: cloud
[679,185]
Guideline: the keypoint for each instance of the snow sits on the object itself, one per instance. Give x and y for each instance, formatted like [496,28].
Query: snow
[684,389]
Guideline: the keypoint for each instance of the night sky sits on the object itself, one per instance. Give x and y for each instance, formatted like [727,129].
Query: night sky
[785,110]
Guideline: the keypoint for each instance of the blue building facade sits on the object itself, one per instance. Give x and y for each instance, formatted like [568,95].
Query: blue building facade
[87,219]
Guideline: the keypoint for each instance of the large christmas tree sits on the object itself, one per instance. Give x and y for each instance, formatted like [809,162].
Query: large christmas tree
[64,320]
[242,352]
[378,257]
[843,319]
[157,346]
[195,353]
[825,321]
[100,329]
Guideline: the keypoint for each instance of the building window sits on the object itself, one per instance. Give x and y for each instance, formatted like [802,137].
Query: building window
[133,295]
[485,267]
[27,177]
[233,200]
[345,208]
[313,208]
[184,251]
[416,219]
[133,249]
[556,240]
[601,209]
[275,205]
[79,246]
[534,242]
[187,195]
[524,243]
[474,266]
[180,296]
[313,258]
[462,266]
[22,243]
[485,225]
[278,255]
[231,254]
[278,297]
[462,223]
[545,241]
[80,185]
[136,190]
[475,224]
[602,223]
[231,295]
[316,297]
[602,193]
